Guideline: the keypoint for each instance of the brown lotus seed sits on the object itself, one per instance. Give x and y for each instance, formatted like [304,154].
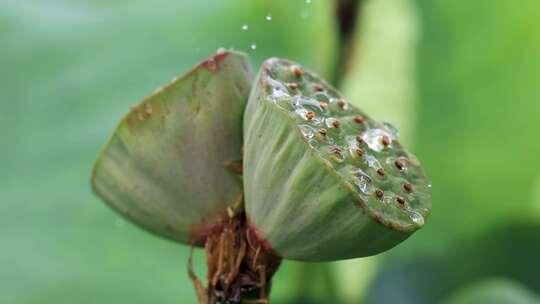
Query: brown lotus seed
[379,193]
[400,164]
[341,103]
[336,124]
[359,139]
[318,87]
[323,132]
[296,71]
[359,152]
[323,105]
[400,200]
[380,171]
[310,115]
[408,187]
[385,140]
[359,119]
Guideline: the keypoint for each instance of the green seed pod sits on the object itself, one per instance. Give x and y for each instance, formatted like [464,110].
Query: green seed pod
[164,167]
[323,181]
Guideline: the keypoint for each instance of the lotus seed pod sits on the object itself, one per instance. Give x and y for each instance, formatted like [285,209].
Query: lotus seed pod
[323,180]
[164,167]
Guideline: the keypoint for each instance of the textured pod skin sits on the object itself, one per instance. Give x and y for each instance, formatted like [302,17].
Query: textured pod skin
[163,167]
[323,181]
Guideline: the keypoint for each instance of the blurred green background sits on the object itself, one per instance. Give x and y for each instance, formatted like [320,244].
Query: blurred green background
[460,79]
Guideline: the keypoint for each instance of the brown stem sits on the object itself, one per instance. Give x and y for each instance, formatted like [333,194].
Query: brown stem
[239,265]
[347,12]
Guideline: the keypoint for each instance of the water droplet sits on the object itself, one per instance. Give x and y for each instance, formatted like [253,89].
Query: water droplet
[429,186]
[245,27]
[308,1]
[305,114]
[221,51]
[268,17]
[374,139]
[363,182]
[416,217]
[373,162]
[253,46]
[394,132]
[279,91]
[301,101]
[332,122]
[307,131]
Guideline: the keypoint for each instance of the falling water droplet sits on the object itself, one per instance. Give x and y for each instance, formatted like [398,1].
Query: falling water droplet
[308,1]
[245,27]
[268,17]
[253,46]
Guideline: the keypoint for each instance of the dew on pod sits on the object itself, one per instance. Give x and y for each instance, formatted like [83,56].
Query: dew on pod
[394,132]
[416,217]
[363,181]
[307,131]
[333,122]
[377,139]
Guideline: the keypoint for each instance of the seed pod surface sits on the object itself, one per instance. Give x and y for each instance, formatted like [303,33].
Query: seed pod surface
[164,166]
[325,182]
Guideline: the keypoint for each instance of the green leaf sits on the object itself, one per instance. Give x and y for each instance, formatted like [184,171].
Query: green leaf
[494,291]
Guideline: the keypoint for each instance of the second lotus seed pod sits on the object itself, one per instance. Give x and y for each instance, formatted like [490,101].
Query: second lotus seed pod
[323,180]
